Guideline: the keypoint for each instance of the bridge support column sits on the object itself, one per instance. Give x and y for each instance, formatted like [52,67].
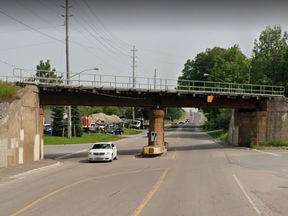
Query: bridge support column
[268,124]
[156,141]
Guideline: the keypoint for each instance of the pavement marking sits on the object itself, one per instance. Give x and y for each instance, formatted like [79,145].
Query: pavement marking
[150,195]
[81,181]
[174,154]
[269,153]
[246,195]
[192,120]
[67,155]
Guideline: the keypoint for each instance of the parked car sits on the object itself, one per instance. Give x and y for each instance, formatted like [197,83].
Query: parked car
[105,151]
[174,125]
[114,131]
[47,129]
[102,126]
[181,122]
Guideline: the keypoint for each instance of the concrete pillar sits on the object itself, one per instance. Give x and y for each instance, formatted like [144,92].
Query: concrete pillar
[156,127]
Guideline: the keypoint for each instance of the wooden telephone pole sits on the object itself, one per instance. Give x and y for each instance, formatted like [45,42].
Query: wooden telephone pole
[68,68]
[133,108]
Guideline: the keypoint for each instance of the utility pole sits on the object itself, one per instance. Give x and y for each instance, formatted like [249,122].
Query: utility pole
[68,69]
[133,108]
[155,79]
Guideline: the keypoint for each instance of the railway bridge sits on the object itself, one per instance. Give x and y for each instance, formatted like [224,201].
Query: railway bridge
[259,111]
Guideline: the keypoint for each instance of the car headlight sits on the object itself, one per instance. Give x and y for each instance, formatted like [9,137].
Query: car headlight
[91,153]
[107,153]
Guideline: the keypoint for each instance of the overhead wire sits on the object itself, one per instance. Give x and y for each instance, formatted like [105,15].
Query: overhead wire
[106,29]
[37,15]
[34,29]
[106,44]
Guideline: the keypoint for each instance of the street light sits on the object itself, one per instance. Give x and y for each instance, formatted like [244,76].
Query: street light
[206,75]
[84,71]
[69,107]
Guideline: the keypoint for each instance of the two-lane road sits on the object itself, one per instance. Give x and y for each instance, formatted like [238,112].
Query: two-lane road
[197,176]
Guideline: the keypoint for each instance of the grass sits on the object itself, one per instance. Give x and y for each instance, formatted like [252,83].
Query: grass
[87,138]
[7,92]
[274,144]
[219,135]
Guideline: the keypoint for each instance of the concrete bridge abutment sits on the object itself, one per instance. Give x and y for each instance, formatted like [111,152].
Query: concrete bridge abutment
[268,124]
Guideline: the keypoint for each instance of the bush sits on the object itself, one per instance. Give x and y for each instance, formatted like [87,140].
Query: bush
[7,91]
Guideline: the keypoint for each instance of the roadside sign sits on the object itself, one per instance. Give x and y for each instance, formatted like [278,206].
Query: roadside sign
[154,136]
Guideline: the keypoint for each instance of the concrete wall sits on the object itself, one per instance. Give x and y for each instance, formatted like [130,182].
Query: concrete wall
[270,124]
[21,132]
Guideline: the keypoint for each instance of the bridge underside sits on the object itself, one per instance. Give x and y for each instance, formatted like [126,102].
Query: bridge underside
[106,97]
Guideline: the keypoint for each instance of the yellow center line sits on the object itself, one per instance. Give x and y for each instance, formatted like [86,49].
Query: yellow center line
[149,196]
[174,154]
[75,183]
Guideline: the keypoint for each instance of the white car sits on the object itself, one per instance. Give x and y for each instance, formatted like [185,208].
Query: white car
[105,151]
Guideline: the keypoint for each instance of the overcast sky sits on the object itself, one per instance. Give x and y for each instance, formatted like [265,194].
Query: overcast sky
[165,33]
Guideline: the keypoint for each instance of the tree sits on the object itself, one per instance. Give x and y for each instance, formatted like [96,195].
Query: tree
[44,70]
[111,110]
[174,113]
[269,61]
[76,121]
[229,65]
[58,122]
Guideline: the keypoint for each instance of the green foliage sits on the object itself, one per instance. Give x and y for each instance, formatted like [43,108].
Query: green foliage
[229,65]
[7,91]
[219,135]
[223,119]
[111,110]
[85,138]
[217,119]
[76,121]
[174,112]
[273,143]
[89,110]
[44,70]
[58,122]
[269,62]
[131,132]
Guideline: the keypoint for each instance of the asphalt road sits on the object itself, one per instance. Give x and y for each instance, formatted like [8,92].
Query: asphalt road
[197,177]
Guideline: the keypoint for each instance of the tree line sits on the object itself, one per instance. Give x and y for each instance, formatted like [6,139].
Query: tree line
[268,65]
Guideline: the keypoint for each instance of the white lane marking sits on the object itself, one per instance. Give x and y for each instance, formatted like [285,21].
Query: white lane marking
[67,155]
[276,155]
[249,199]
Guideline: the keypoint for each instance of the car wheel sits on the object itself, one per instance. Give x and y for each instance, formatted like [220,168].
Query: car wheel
[116,158]
[112,157]
[113,133]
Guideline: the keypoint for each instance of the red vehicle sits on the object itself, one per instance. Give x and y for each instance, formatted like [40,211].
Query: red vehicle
[174,125]
[85,123]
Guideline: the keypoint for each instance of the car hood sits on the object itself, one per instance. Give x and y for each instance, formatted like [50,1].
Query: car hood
[100,150]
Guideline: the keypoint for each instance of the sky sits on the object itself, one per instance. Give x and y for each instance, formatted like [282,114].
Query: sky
[102,34]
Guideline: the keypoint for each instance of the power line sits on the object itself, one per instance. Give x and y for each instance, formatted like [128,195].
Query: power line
[30,27]
[88,20]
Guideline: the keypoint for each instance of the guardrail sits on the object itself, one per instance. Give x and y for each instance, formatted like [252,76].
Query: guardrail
[92,80]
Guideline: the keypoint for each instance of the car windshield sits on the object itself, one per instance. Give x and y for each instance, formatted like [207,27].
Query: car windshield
[112,128]
[102,146]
